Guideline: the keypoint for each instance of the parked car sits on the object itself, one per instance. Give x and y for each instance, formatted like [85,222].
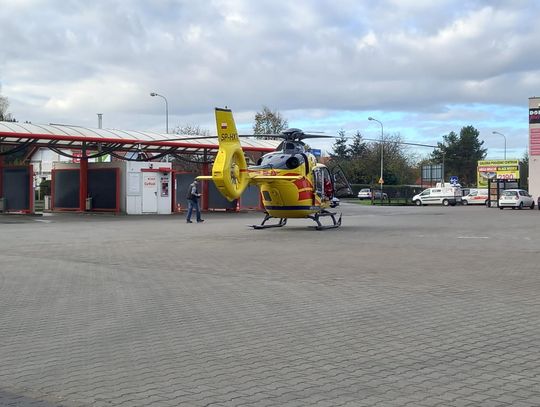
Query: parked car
[475,197]
[516,198]
[442,194]
[366,193]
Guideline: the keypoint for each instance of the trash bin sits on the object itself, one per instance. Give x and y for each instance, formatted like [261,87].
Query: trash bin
[2,204]
[88,205]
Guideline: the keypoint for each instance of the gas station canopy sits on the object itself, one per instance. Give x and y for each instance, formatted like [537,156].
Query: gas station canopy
[59,136]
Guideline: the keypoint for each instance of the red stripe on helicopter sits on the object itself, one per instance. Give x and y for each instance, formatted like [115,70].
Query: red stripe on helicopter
[304,194]
[301,183]
[264,172]
[304,187]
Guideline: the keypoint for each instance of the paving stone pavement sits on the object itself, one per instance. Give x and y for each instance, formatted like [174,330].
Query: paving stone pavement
[400,307]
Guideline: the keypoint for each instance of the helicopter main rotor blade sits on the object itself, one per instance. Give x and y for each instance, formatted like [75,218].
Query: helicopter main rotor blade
[288,136]
[308,135]
[179,139]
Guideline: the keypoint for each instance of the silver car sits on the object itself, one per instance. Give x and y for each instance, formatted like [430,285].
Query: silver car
[366,193]
[516,198]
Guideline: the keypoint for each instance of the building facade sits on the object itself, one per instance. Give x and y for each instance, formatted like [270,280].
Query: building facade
[534,146]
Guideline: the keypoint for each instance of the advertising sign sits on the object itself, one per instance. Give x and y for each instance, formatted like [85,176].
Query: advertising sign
[316,152]
[496,169]
[77,155]
[534,116]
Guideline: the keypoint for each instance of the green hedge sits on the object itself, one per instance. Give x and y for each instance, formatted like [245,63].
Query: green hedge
[393,191]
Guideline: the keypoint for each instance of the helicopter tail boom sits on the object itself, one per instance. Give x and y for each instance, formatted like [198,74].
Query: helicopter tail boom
[273,178]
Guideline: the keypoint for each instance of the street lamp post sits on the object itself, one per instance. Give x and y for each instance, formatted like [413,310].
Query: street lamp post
[381,180]
[166,109]
[500,134]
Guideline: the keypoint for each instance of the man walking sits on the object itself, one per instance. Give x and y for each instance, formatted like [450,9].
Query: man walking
[193,196]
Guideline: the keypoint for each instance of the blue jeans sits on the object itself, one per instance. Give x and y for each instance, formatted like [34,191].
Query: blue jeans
[193,204]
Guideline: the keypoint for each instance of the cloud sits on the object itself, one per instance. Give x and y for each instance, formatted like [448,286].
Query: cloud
[70,59]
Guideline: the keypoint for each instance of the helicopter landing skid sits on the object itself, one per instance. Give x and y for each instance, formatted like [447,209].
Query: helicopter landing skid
[320,226]
[282,222]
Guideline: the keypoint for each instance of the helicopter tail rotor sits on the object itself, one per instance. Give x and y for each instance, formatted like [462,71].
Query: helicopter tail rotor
[229,171]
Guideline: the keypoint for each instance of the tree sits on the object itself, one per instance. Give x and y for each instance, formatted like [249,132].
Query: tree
[398,164]
[358,147]
[4,114]
[340,155]
[191,130]
[340,150]
[461,154]
[361,161]
[269,122]
[355,161]
[190,162]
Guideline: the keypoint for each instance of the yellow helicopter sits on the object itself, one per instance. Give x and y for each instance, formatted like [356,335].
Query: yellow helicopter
[291,182]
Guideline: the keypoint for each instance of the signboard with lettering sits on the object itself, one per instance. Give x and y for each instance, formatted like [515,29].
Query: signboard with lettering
[77,155]
[496,169]
[534,115]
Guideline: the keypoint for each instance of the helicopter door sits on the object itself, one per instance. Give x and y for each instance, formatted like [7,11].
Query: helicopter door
[323,183]
[341,185]
[328,185]
[317,178]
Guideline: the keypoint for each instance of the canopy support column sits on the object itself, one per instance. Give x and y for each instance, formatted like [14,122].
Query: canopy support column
[205,171]
[1,174]
[83,179]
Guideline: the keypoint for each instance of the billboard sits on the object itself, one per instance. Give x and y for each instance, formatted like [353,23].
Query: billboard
[316,152]
[534,115]
[496,169]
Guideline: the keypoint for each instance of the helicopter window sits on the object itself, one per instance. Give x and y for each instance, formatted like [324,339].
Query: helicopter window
[280,161]
[328,185]
[291,147]
[324,186]
[318,181]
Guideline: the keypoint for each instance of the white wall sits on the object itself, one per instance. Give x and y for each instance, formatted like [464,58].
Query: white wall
[133,188]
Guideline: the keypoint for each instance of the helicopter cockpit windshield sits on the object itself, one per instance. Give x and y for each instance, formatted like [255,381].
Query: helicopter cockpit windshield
[292,147]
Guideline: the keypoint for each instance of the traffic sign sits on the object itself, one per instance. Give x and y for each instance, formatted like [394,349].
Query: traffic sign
[381,181]
[453,179]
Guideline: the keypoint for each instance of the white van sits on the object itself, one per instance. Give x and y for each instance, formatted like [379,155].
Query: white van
[442,194]
[476,197]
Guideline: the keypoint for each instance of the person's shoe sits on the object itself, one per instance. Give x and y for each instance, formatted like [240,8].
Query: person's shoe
[200,220]
[188,221]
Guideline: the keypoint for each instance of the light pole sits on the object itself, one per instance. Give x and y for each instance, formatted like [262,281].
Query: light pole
[381,180]
[500,134]
[166,109]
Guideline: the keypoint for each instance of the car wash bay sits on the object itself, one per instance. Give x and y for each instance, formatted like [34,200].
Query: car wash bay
[135,181]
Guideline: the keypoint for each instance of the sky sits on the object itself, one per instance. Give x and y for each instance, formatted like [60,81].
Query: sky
[423,68]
